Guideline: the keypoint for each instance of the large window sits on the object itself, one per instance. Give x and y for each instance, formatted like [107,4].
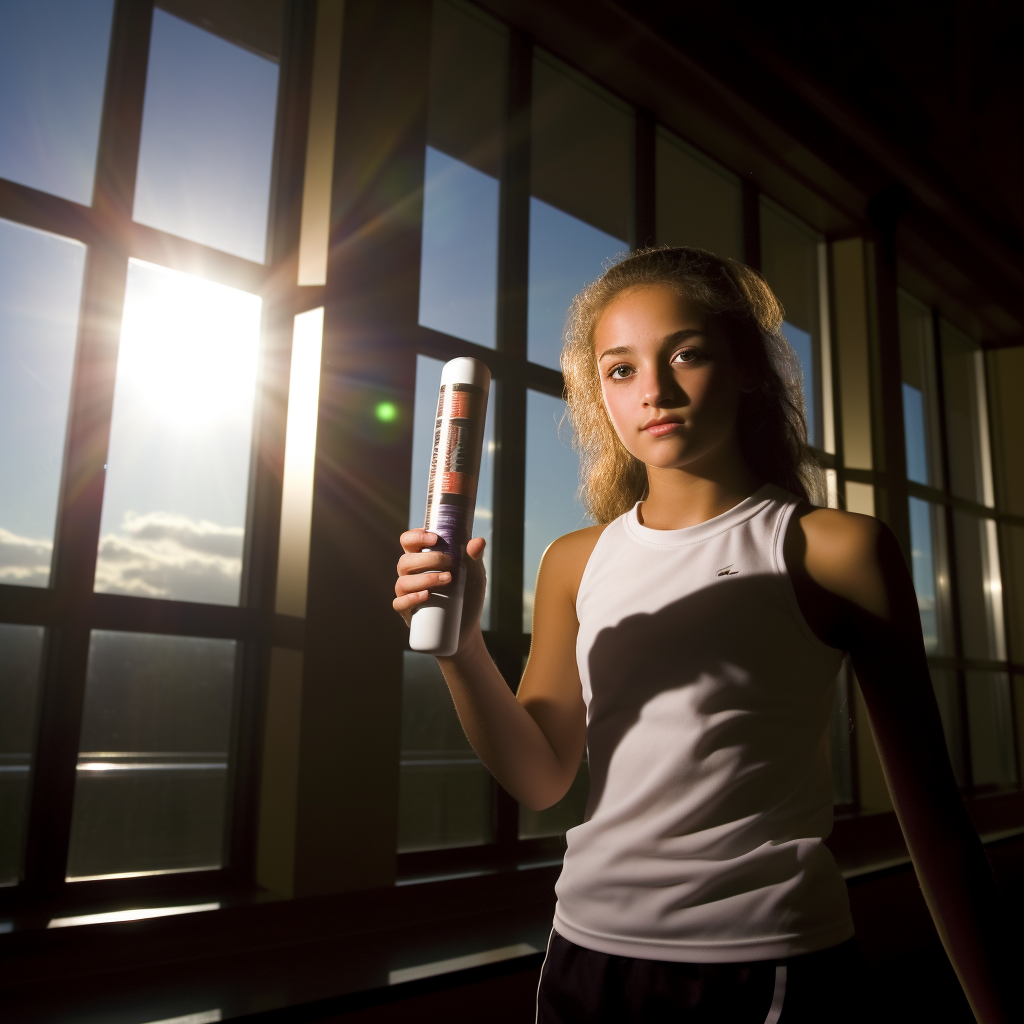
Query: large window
[954,541]
[137,345]
[227,290]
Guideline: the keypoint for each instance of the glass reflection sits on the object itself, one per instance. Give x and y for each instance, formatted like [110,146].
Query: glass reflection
[566,254]
[980,587]
[803,345]
[299,460]
[150,792]
[428,384]
[459,268]
[580,172]
[919,389]
[40,295]
[552,478]
[178,465]
[963,385]
[53,67]
[789,261]
[698,202]
[990,717]
[206,149]
[923,544]
[21,651]
[444,791]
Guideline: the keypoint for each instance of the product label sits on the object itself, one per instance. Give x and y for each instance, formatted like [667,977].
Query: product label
[454,466]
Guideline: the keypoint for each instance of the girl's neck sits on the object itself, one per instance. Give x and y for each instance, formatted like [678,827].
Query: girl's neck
[678,498]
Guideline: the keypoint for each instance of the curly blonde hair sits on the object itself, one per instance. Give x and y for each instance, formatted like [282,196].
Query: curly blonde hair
[771,426]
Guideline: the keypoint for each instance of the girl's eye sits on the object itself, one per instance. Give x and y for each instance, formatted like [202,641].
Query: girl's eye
[620,372]
[688,355]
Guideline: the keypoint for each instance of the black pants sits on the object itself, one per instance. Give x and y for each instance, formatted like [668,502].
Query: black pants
[581,986]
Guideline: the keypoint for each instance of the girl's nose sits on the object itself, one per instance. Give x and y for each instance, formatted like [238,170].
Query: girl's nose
[660,387]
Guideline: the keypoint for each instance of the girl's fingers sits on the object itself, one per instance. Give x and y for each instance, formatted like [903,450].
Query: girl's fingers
[420,582]
[409,601]
[475,548]
[415,540]
[428,561]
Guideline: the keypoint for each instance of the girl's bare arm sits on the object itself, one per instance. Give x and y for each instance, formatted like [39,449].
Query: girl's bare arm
[531,742]
[857,594]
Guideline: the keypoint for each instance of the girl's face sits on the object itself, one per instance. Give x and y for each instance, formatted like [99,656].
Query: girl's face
[670,381]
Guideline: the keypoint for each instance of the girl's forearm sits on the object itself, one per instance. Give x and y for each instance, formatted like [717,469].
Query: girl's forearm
[958,887]
[502,732]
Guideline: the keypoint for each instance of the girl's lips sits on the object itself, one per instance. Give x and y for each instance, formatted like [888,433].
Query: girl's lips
[660,429]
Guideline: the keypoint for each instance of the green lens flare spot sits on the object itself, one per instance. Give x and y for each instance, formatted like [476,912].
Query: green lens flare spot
[386,412]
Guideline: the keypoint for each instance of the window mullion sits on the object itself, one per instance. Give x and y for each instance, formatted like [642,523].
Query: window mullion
[81,499]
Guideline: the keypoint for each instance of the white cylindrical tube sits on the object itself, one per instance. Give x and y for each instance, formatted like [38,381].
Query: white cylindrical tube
[451,498]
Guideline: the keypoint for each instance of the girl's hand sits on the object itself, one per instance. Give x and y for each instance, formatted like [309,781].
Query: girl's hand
[420,572]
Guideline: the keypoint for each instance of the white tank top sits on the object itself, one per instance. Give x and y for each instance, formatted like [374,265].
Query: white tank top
[708,704]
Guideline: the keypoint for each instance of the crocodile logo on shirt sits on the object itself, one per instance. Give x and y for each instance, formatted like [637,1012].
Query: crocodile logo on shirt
[727,571]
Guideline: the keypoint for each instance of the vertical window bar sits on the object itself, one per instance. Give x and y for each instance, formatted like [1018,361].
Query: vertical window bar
[510,408]
[264,507]
[78,520]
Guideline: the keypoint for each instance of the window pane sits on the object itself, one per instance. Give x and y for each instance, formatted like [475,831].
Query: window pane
[208,131]
[581,157]
[566,814]
[928,560]
[21,651]
[852,319]
[980,586]
[963,384]
[990,714]
[789,260]
[459,268]
[40,294]
[444,790]
[552,478]
[53,66]
[299,459]
[948,699]
[428,385]
[178,464]
[803,345]
[917,360]
[150,793]
[698,202]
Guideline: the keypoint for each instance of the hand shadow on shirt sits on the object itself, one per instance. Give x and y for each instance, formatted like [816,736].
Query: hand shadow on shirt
[725,639]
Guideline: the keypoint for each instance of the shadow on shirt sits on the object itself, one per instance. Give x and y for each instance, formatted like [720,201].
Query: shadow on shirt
[760,694]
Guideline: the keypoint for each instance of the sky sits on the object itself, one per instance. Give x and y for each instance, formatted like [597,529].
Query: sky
[207,139]
[40,292]
[53,63]
[178,464]
[176,487]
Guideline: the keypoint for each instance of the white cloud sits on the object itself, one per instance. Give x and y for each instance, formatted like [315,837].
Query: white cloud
[23,561]
[164,555]
[154,555]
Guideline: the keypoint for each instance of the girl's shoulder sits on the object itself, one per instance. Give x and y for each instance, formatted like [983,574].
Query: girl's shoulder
[566,559]
[847,568]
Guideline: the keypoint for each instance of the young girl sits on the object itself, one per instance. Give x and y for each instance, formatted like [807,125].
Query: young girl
[690,641]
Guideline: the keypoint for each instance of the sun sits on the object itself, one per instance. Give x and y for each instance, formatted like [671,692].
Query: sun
[189,347]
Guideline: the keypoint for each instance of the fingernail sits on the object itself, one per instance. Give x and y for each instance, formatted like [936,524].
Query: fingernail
[444,577]
[431,538]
